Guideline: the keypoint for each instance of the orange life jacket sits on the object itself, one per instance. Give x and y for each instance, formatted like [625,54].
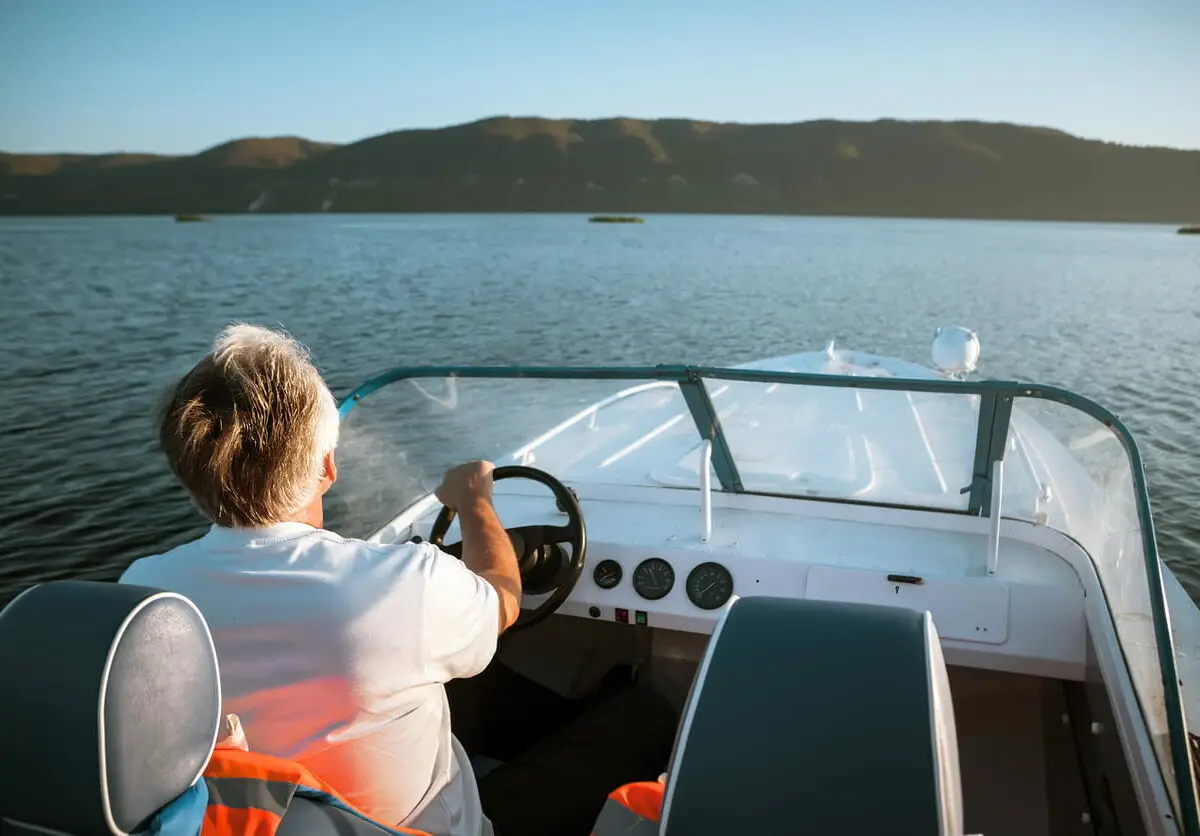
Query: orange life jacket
[248,793]
[631,810]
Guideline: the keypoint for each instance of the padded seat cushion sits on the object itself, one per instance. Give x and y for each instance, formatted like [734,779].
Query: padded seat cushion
[817,717]
[110,707]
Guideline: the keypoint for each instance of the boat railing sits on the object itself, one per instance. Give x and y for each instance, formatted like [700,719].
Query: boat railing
[995,400]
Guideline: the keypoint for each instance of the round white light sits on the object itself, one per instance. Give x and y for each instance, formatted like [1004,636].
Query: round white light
[955,350]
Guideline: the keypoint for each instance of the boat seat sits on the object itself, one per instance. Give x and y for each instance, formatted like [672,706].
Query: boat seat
[817,717]
[111,711]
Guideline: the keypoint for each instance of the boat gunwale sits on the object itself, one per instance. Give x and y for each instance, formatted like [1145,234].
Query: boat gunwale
[995,410]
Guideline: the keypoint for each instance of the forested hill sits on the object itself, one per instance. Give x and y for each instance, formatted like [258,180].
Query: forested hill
[887,167]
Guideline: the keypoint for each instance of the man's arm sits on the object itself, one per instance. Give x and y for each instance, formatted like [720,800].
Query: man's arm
[487,551]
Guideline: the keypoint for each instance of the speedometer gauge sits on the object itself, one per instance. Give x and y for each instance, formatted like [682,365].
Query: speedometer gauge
[653,578]
[709,586]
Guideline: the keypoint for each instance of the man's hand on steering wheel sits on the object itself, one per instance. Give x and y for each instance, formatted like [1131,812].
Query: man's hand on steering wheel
[486,548]
[468,482]
[540,564]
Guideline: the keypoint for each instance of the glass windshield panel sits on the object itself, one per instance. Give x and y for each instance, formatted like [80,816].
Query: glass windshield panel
[396,443]
[892,447]
[1065,469]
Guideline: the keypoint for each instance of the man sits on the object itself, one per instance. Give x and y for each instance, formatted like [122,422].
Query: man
[335,652]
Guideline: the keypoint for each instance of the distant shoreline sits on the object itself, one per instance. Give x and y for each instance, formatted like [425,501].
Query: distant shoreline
[1172,224]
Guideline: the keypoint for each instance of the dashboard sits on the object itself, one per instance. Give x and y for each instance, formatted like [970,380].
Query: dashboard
[672,587]
[709,585]
[1009,625]
[649,567]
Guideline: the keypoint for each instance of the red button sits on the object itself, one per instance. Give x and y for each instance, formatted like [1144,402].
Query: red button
[622,616]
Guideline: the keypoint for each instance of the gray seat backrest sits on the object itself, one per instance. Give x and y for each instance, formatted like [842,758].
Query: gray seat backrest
[817,717]
[110,705]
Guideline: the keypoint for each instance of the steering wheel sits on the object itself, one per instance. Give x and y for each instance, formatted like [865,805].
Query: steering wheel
[545,566]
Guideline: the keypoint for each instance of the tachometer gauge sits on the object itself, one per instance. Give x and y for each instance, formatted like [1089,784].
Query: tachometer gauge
[607,574]
[709,586]
[653,578]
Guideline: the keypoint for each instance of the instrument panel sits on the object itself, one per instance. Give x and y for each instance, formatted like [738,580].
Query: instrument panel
[708,586]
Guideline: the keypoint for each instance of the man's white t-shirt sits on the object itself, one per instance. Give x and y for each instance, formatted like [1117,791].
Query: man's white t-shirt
[334,653]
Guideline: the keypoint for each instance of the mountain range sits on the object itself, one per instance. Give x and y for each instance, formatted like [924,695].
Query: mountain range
[506,164]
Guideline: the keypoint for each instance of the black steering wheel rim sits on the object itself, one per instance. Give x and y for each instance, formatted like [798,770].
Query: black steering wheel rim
[534,556]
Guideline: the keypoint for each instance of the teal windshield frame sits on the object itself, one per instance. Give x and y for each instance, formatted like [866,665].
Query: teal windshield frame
[995,411]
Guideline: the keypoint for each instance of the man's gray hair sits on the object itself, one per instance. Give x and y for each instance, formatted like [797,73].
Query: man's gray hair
[247,429]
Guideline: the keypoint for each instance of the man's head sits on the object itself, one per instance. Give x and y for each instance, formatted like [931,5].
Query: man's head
[251,430]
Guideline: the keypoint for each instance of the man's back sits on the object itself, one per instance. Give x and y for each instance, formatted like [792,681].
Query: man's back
[334,652]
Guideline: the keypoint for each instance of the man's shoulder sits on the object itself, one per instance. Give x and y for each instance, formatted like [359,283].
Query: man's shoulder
[141,571]
[352,564]
[373,560]
[148,570]
[329,555]
[366,549]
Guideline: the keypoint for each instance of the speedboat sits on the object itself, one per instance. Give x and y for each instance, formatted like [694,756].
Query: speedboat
[886,597]
[1015,515]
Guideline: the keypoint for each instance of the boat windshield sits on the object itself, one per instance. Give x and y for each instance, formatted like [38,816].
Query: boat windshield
[1070,469]
[981,447]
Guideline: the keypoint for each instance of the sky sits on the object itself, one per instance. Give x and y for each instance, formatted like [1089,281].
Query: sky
[178,76]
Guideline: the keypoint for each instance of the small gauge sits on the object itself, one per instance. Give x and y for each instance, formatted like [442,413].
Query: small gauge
[709,586]
[607,574]
[653,578]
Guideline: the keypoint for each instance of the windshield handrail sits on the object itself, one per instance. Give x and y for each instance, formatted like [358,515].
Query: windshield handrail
[996,398]
[680,374]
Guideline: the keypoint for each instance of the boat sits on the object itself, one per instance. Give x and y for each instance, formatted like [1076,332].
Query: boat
[887,597]
[1015,514]
[615,219]
[185,218]
[1189,230]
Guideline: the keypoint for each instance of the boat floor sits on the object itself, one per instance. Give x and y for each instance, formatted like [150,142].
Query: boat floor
[1020,771]
[1019,757]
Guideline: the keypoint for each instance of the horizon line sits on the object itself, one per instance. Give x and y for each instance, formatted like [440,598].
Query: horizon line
[493,117]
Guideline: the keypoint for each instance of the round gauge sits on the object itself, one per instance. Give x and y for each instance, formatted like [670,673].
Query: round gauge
[607,574]
[653,578]
[709,586]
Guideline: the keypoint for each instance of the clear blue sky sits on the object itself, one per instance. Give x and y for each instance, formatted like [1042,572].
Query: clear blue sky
[176,76]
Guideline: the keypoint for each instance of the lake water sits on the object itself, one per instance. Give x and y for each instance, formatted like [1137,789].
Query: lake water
[99,315]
